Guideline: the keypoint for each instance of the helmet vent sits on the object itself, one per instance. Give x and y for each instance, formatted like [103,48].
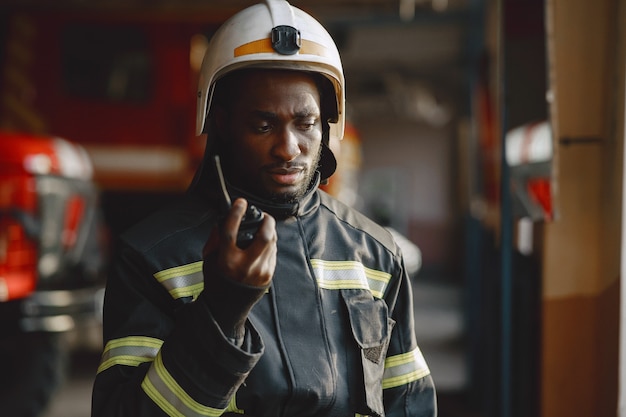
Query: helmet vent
[286,40]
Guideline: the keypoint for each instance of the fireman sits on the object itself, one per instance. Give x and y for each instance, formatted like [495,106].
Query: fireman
[310,314]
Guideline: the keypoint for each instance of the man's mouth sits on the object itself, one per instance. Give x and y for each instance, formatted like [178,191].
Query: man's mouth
[286,176]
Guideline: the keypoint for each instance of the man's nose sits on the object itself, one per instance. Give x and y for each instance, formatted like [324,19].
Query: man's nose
[287,146]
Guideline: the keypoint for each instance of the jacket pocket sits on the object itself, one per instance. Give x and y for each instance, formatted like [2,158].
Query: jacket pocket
[371,328]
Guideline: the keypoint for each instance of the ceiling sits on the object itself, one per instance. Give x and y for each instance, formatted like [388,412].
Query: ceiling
[321,7]
[397,54]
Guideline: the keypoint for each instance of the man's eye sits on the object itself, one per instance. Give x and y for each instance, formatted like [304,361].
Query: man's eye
[307,124]
[262,128]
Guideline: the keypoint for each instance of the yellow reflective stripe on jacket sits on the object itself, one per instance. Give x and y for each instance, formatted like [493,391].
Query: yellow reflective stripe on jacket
[232,406]
[182,281]
[338,275]
[405,368]
[130,351]
[161,387]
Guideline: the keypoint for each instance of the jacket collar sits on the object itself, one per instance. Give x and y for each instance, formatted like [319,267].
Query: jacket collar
[280,211]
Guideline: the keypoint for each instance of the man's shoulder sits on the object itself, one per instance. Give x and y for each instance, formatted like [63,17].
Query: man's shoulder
[356,220]
[170,225]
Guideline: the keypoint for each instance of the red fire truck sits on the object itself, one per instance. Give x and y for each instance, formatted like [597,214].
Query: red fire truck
[50,262]
[121,85]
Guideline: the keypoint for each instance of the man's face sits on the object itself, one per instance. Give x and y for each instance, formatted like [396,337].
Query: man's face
[273,134]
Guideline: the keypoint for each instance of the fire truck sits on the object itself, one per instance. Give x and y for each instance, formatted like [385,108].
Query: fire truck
[50,263]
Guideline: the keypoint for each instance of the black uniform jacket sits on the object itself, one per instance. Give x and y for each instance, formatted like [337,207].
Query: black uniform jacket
[332,336]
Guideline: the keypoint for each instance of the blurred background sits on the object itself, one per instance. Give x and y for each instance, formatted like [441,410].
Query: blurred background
[486,134]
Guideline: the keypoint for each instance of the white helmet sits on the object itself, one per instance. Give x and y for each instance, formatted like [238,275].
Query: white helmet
[273,34]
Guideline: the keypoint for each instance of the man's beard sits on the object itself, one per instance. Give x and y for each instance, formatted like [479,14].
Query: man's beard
[295,196]
[228,154]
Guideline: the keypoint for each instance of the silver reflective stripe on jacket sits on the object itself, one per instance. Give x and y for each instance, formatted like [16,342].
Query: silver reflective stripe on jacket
[182,281]
[405,368]
[338,275]
[129,351]
[166,393]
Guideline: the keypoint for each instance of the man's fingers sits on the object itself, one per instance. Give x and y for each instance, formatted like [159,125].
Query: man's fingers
[254,265]
[232,221]
[267,231]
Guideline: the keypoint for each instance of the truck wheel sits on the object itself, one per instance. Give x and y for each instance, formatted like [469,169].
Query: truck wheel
[34,366]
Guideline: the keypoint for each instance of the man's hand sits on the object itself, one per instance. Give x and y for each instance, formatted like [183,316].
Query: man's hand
[252,266]
[235,279]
